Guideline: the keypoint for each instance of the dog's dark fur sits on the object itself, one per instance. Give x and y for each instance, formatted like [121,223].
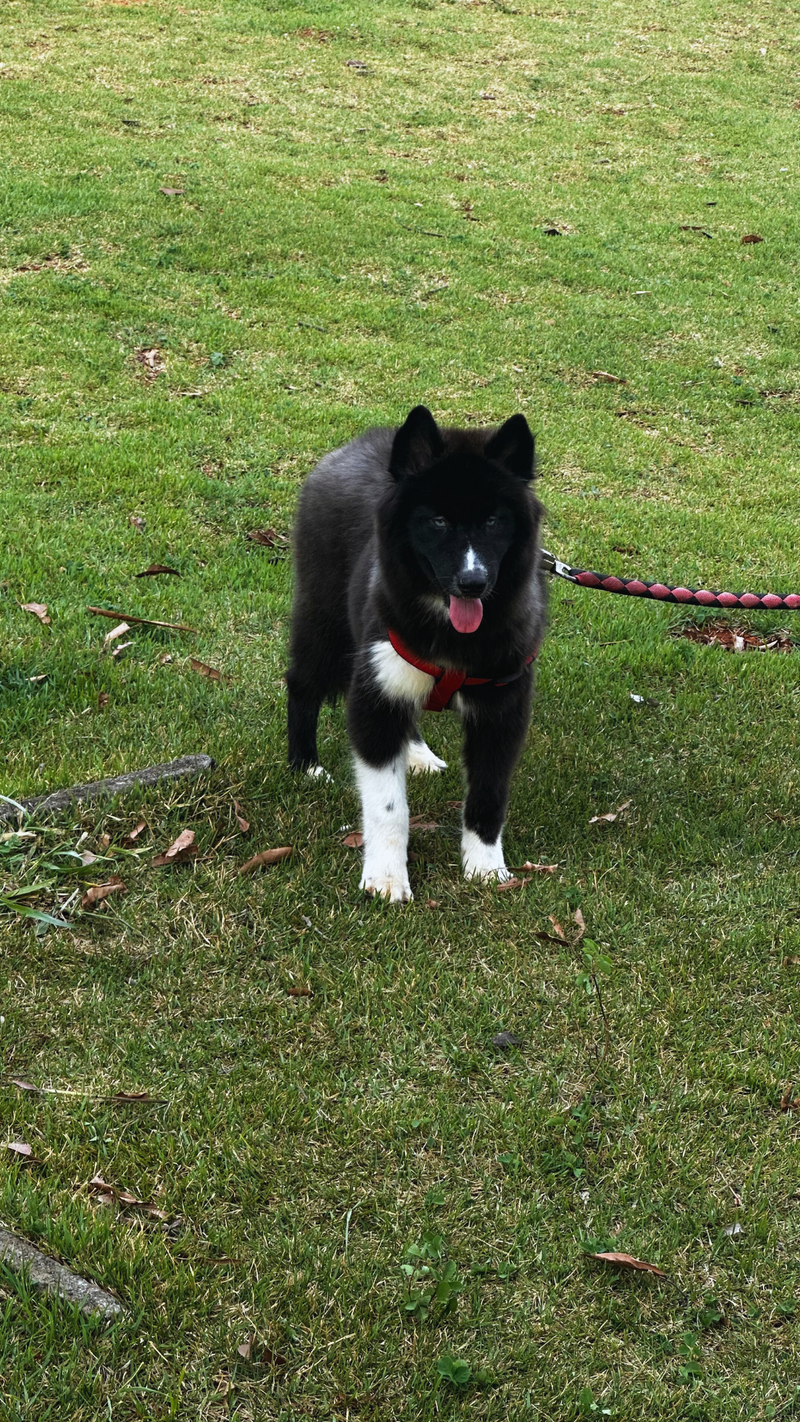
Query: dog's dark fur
[389,530]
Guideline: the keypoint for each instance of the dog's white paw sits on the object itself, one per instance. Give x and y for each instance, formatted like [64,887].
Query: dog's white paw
[392,886]
[500,876]
[318,772]
[483,861]
[421,759]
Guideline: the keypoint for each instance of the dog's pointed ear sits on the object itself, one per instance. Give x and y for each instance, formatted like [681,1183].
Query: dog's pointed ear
[417,443]
[514,448]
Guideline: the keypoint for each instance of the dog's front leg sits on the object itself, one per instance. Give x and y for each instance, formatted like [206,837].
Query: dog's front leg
[384,812]
[379,734]
[491,750]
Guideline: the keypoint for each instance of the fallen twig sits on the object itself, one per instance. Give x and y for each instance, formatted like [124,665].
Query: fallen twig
[116,785]
[54,1278]
[143,621]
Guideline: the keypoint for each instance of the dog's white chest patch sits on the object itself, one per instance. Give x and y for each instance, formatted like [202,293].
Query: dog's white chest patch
[396,677]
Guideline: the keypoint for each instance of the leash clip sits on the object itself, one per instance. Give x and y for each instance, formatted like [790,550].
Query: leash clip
[552,564]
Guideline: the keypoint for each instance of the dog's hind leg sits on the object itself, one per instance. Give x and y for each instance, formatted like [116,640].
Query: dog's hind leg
[303,714]
[319,660]
[421,758]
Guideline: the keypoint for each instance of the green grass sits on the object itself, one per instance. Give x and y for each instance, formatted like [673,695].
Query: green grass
[347,243]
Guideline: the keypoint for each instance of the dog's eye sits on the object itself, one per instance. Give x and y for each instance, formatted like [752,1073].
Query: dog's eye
[490,522]
[439,522]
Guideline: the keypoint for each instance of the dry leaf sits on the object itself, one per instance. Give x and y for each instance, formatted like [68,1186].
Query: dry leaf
[299,992]
[419,822]
[100,892]
[253,1352]
[24,1085]
[612,814]
[528,868]
[39,609]
[180,850]
[172,192]
[141,621]
[735,639]
[243,824]
[43,677]
[267,537]
[151,361]
[512,884]
[87,858]
[131,1096]
[103,699]
[577,918]
[607,379]
[751,237]
[104,841]
[135,832]
[114,634]
[204,670]
[789,1102]
[432,903]
[267,856]
[137,523]
[557,926]
[355,840]
[627,1261]
[123,1197]
[20,1148]
[156,568]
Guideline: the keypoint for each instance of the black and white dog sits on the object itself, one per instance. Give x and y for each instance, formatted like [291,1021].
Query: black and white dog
[418,585]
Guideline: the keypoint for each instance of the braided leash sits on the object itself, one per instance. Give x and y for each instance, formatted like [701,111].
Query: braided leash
[662,592]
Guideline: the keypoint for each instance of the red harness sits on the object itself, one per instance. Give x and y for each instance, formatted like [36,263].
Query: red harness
[446,682]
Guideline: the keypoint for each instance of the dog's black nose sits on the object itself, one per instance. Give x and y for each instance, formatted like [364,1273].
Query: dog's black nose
[471,584]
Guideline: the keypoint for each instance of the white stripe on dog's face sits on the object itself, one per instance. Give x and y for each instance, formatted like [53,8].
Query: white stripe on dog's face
[396,677]
[473,564]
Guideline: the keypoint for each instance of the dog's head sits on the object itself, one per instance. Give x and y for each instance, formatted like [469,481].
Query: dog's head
[463,504]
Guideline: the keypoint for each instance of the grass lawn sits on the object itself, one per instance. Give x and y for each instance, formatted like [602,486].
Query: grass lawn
[233,236]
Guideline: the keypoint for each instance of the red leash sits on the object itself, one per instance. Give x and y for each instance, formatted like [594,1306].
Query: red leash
[446,681]
[664,592]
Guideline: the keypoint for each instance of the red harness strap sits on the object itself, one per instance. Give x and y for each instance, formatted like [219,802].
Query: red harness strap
[446,682]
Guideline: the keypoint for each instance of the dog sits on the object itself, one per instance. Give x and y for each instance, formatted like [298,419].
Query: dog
[418,585]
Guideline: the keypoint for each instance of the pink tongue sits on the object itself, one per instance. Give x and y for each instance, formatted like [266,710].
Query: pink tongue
[466,613]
